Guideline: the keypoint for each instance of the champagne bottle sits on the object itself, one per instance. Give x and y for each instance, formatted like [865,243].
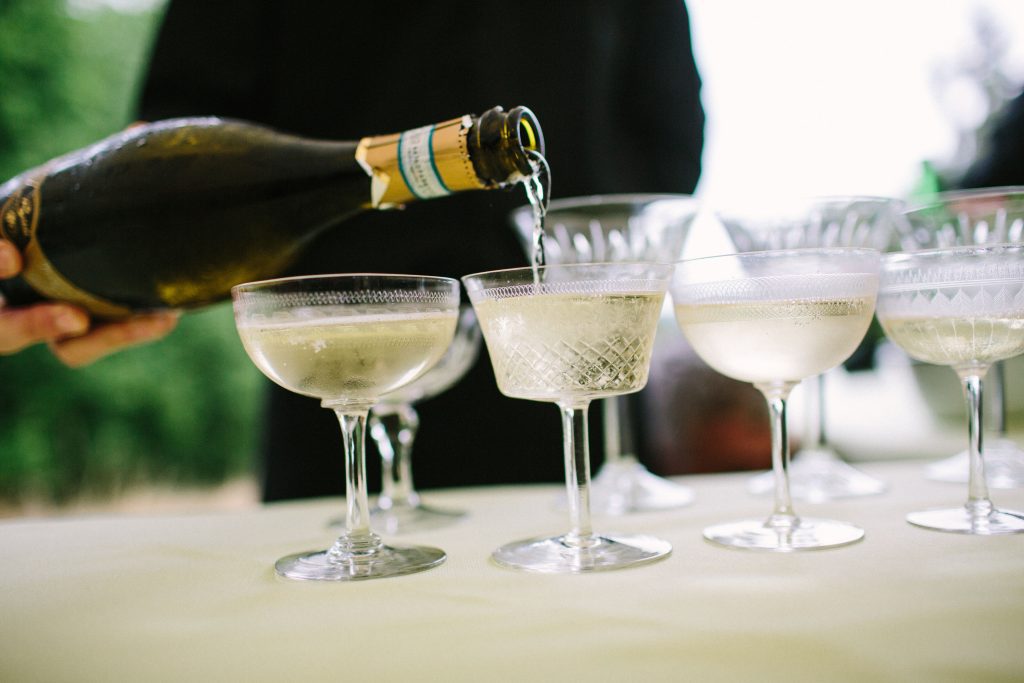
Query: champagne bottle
[172,214]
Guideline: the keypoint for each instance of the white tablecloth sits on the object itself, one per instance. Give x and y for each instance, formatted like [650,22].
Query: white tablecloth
[194,597]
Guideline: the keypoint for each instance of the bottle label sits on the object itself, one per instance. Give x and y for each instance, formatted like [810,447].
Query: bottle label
[19,221]
[20,213]
[422,163]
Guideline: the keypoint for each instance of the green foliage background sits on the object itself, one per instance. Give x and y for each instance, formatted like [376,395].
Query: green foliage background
[180,411]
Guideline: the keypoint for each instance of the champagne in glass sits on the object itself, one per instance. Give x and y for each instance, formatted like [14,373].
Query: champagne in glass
[577,333]
[348,340]
[818,471]
[615,228]
[962,307]
[988,215]
[393,425]
[774,318]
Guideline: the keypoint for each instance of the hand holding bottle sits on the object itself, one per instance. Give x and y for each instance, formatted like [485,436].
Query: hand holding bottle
[68,329]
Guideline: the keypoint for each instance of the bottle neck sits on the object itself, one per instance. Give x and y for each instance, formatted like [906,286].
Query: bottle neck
[499,145]
[462,154]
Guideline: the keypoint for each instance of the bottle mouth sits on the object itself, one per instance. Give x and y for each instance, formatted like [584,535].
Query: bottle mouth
[516,138]
[528,129]
[528,133]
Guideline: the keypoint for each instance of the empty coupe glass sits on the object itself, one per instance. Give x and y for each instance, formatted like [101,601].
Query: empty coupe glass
[992,215]
[774,318]
[348,340]
[617,228]
[962,307]
[818,472]
[574,334]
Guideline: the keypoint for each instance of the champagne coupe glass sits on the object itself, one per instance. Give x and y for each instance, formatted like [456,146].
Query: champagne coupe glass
[962,307]
[990,215]
[393,425]
[569,334]
[818,472]
[617,228]
[348,340]
[774,318]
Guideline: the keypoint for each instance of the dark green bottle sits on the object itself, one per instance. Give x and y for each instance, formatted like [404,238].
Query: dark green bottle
[172,214]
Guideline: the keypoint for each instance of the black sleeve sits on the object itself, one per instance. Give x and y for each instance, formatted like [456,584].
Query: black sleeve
[662,91]
[209,58]
[643,94]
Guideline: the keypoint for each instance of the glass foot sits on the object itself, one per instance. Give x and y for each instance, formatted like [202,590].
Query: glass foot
[819,475]
[960,521]
[1004,466]
[806,534]
[400,519]
[555,555]
[384,561]
[626,486]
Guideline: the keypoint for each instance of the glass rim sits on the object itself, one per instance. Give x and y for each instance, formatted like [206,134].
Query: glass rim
[865,251]
[572,266]
[247,286]
[960,249]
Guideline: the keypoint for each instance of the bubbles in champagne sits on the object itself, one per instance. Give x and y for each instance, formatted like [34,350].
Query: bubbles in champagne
[957,340]
[552,347]
[358,357]
[767,341]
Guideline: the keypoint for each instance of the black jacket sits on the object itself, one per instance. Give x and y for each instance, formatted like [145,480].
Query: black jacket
[613,84]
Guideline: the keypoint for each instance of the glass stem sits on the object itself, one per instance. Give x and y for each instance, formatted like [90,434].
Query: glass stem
[782,516]
[978,504]
[577,475]
[394,431]
[358,539]
[612,414]
[814,391]
[997,393]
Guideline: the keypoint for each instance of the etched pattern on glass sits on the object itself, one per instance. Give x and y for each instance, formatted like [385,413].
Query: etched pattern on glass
[819,222]
[554,346]
[955,289]
[612,228]
[589,287]
[298,304]
[820,287]
[955,313]
[965,218]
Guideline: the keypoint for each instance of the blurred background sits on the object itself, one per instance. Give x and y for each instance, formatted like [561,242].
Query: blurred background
[177,415]
[801,97]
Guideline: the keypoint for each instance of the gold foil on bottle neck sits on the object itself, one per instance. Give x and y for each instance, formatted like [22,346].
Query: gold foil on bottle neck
[449,157]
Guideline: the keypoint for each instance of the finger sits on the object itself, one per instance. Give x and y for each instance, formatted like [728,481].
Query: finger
[24,326]
[10,260]
[109,337]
